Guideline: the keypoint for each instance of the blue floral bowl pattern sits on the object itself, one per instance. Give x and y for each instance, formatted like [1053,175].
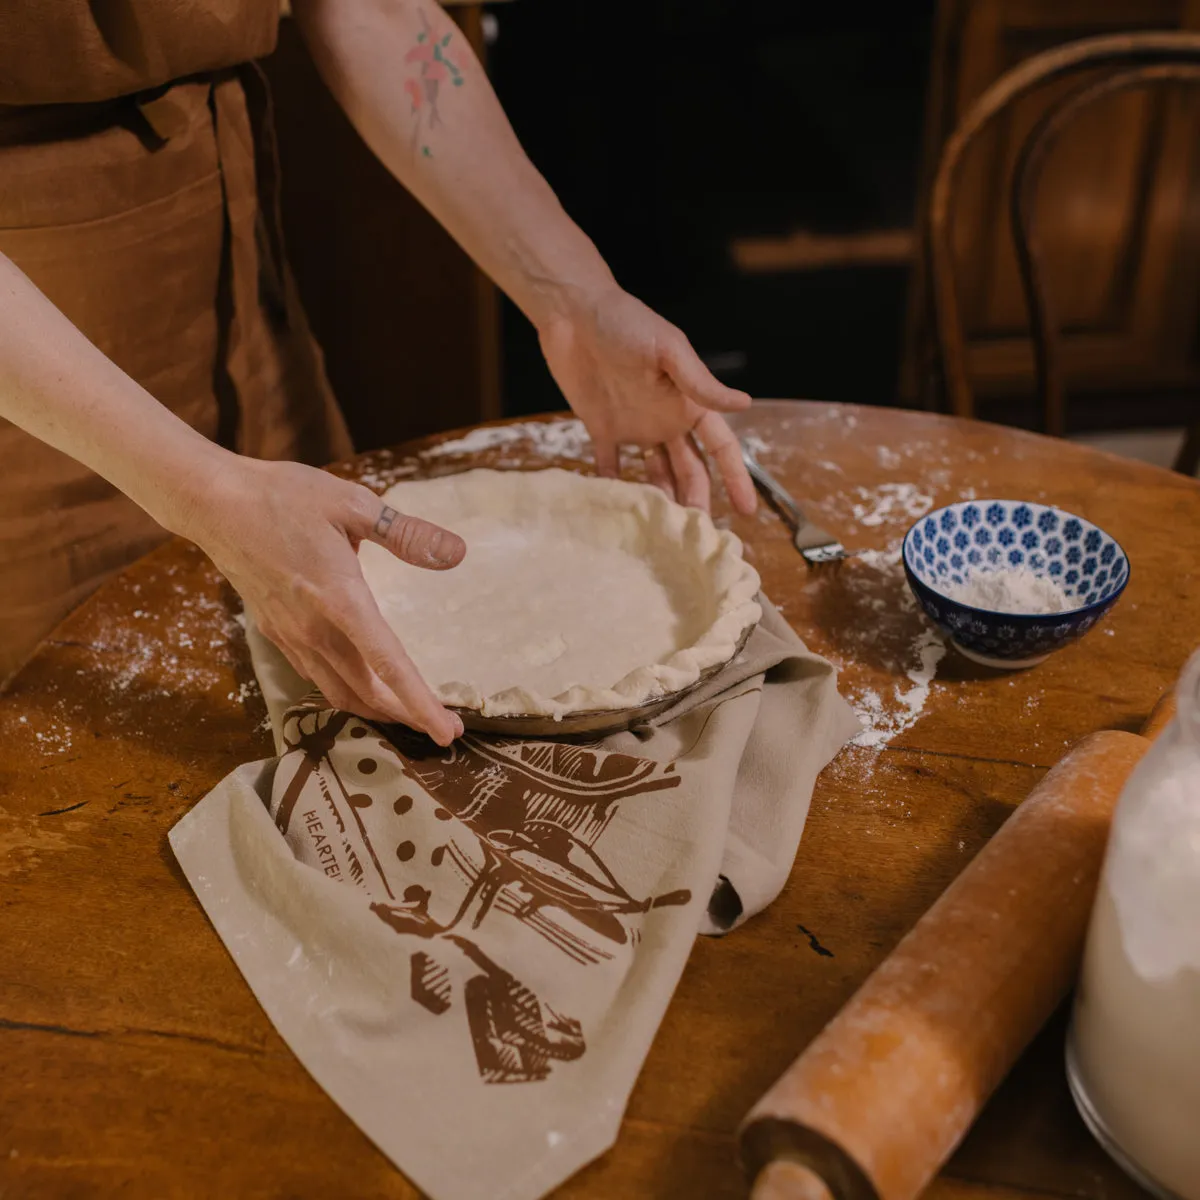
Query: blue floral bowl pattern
[951,543]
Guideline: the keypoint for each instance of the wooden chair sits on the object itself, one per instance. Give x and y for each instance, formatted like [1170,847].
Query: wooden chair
[1124,61]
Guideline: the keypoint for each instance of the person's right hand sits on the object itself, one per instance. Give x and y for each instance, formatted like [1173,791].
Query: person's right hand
[286,536]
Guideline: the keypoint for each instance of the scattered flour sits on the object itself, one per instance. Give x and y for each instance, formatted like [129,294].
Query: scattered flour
[186,654]
[1009,590]
[170,660]
[889,501]
[544,439]
[512,446]
[186,658]
[56,739]
[381,471]
[884,561]
[883,720]
[889,653]
[245,691]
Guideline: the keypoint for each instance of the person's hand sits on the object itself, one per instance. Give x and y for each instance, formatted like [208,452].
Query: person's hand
[286,536]
[633,378]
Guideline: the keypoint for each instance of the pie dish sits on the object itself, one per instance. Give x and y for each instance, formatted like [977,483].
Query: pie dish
[579,598]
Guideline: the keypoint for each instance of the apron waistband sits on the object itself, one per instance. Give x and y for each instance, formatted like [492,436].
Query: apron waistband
[148,114]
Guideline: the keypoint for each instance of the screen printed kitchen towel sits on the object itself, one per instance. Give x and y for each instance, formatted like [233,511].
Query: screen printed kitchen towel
[471,949]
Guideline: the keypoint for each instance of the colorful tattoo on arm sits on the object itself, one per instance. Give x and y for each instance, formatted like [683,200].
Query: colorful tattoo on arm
[433,68]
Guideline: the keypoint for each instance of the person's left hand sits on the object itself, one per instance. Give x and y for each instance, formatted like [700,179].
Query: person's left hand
[633,378]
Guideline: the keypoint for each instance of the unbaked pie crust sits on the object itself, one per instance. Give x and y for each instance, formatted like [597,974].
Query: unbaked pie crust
[577,594]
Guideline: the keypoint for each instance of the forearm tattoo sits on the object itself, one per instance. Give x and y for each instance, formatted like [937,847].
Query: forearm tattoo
[433,66]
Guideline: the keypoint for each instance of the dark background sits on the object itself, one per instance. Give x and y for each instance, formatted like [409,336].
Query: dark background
[670,127]
[675,130]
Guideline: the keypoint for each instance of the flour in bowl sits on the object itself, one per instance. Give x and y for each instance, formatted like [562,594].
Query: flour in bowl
[1009,590]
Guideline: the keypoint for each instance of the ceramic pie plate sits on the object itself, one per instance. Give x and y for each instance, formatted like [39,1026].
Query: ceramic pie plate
[583,606]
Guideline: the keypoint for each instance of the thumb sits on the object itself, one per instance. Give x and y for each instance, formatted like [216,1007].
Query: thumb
[697,382]
[608,458]
[414,540]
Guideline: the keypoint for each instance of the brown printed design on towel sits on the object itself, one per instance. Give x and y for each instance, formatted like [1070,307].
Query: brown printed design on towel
[431,985]
[515,1034]
[441,840]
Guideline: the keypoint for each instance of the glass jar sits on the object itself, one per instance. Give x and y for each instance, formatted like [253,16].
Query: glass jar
[1133,1054]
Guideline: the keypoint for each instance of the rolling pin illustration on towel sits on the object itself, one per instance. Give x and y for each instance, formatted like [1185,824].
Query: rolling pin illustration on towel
[886,1091]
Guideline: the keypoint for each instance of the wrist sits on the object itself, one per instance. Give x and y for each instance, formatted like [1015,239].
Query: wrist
[567,290]
[573,310]
[184,485]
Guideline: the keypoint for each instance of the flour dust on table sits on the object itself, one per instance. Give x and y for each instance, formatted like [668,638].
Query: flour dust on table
[177,648]
[520,445]
[887,713]
[576,593]
[538,439]
[887,651]
[887,501]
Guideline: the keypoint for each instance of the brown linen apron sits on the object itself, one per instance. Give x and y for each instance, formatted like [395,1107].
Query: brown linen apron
[137,191]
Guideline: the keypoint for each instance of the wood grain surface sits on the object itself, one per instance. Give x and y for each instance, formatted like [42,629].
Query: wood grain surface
[136,1061]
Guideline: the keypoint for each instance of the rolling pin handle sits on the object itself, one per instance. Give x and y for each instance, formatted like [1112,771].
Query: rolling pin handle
[790,1161]
[782,1179]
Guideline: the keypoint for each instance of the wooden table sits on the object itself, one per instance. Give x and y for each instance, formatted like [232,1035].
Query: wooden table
[137,1063]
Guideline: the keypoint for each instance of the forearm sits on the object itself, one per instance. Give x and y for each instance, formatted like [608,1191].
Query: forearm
[58,387]
[451,145]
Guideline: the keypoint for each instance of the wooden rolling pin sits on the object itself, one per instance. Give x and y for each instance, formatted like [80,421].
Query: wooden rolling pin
[886,1091]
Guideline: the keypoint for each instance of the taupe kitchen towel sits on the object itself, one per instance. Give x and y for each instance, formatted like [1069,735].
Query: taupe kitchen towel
[471,949]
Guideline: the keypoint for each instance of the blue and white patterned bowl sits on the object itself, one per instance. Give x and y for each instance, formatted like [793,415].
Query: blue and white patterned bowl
[952,542]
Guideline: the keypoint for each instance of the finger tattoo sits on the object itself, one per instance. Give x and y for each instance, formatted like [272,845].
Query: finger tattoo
[386,518]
